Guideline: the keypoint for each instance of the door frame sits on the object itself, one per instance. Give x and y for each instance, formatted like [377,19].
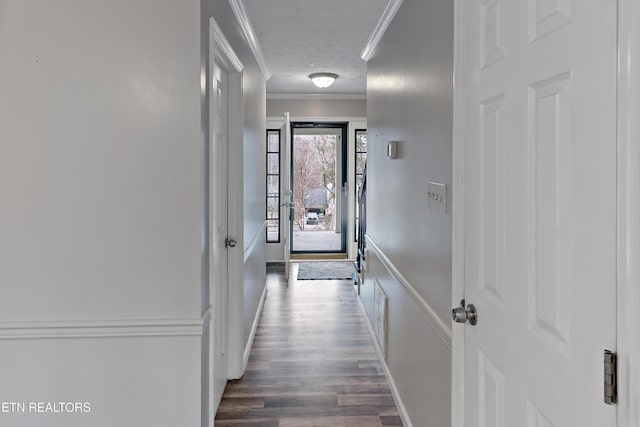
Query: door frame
[274,122]
[457,202]
[628,291]
[628,189]
[344,166]
[285,185]
[221,51]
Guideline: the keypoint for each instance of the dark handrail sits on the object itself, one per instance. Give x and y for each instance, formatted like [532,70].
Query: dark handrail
[362,223]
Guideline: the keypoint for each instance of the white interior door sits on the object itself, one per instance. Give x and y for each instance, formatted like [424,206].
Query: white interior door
[287,193]
[537,80]
[219,108]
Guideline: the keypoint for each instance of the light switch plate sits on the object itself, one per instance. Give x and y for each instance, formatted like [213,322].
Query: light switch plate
[437,196]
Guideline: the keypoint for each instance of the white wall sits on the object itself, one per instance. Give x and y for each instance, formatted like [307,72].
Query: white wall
[317,107]
[409,99]
[100,218]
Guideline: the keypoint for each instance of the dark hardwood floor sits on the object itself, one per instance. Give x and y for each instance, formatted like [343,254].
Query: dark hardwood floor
[312,363]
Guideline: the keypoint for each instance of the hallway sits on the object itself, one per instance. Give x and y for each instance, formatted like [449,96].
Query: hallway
[312,363]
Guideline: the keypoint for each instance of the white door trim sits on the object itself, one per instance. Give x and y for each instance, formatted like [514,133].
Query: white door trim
[285,177]
[353,123]
[457,292]
[221,51]
[236,227]
[628,341]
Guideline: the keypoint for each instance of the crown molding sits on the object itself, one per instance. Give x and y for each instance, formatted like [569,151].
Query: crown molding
[247,29]
[386,18]
[317,96]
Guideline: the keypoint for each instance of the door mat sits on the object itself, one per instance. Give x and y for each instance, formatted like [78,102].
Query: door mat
[322,270]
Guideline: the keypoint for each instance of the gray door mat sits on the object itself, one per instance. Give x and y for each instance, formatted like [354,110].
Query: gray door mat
[326,270]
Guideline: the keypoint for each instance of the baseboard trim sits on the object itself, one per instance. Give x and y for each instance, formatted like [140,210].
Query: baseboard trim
[254,242]
[402,411]
[103,328]
[254,328]
[440,327]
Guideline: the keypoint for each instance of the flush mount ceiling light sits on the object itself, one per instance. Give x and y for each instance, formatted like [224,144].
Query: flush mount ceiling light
[323,80]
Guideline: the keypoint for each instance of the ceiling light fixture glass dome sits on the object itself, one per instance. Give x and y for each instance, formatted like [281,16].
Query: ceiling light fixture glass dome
[323,80]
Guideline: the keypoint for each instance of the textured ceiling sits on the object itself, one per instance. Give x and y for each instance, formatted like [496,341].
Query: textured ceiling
[300,37]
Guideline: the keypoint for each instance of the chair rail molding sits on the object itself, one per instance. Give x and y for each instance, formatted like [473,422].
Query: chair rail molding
[443,331]
[30,330]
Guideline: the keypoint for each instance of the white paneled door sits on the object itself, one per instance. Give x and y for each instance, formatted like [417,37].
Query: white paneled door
[536,84]
[219,211]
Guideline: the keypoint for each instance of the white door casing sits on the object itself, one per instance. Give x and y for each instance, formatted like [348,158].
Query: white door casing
[629,211]
[535,221]
[287,198]
[219,229]
[224,327]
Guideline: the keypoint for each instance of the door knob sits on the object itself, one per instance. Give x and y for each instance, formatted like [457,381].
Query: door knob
[464,314]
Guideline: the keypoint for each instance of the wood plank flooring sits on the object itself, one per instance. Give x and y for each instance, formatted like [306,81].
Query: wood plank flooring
[312,363]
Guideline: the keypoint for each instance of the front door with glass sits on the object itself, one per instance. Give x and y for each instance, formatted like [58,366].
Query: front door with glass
[319,187]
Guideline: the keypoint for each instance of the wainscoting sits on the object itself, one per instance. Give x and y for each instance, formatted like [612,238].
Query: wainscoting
[418,343]
[254,290]
[135,373]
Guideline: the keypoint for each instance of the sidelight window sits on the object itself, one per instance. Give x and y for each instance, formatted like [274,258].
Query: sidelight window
[273,185]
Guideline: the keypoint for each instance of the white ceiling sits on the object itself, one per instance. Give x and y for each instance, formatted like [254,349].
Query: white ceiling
[300,37]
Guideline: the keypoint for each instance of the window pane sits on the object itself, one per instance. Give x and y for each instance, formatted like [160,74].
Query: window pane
[361,161]
[273,208]
[274,141]
[273,185]
[273,230]
[361,141]
[273,163]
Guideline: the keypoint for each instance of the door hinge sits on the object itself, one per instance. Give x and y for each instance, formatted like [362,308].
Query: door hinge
[229,243]
[610,377]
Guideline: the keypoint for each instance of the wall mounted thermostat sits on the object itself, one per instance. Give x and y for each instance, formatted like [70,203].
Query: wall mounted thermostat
[392,149]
